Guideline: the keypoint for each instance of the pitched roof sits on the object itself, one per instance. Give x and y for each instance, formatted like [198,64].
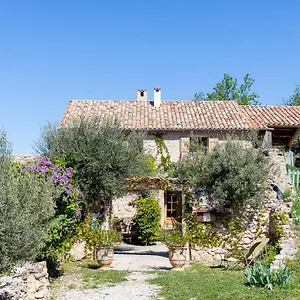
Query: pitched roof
[170,115]
[269,116]
[184,115]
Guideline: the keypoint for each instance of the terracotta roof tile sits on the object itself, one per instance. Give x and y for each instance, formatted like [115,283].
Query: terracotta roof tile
[184,115]
[268,116]
[170,115]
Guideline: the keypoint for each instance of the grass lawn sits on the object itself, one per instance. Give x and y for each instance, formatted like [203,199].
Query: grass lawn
[201,282]
[91,276]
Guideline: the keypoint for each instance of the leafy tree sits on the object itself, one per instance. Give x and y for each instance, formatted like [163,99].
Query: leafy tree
[294,100]
[26,209]
[228,89]
[231,173]
[102,154]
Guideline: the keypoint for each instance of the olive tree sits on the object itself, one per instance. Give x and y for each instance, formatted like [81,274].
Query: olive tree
[102,153]
[233,173]
[26,209]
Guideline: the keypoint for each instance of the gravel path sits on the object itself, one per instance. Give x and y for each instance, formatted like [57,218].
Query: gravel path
[134,288]
[141,258]
[136,259]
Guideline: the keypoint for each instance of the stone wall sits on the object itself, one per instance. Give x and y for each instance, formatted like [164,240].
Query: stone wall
[24,158]
[256,223]
[26,282]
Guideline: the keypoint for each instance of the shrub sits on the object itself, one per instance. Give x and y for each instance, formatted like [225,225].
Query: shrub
[26,209]
[147,219]
[296,208]
[175,238]
[99,236]
[260,275]
[63,228]
[231,173]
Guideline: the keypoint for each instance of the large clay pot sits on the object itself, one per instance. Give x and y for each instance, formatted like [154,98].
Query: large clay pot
[104,256]
[177,257]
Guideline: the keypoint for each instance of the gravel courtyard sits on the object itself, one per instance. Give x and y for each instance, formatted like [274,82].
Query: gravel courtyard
[135,259]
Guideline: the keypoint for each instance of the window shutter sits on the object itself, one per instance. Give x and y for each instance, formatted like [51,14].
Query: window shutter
[184,147]
[212,142]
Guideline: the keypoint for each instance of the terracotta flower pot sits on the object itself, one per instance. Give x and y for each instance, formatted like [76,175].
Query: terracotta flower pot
[104,256]
[177,257]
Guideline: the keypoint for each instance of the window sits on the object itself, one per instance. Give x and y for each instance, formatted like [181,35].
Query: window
[197,142]
[173,206]
[142,93]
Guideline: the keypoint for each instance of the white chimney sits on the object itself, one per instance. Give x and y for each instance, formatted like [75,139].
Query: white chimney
[157,97]
[142,95]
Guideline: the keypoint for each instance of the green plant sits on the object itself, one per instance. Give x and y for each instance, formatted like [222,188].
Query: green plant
[234,175]
[269,253]
[175,238]
[102,154]
[99,236]
[162,152]
[63,229]
[260,275]
[287,193]
[26,209]
[147,219]
[296,208]
[278,219]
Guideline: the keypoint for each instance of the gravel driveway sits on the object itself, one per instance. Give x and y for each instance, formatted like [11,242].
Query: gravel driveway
[136,259]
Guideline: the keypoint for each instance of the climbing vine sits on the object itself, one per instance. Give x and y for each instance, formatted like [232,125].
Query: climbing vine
[162,152]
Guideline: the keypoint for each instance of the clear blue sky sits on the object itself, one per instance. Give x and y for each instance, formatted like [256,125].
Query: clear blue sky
[54,51]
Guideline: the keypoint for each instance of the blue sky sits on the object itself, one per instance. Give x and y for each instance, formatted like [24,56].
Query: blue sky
[54,51]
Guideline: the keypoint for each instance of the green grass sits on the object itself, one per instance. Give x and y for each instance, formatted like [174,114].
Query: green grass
[201,282]
[92,276]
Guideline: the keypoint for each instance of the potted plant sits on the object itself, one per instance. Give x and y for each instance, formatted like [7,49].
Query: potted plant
[103,242]
[176,241]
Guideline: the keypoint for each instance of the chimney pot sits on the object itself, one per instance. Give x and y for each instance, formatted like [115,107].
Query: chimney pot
[142,95]
[157,97]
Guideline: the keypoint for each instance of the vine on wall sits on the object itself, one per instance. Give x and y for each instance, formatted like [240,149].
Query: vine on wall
[162,152]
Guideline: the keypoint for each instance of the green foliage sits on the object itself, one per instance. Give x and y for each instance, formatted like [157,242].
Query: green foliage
[295,98]
[26,209]
[147,219]
[231,173]
[228,89]
[278,219]
[202,282]
[296,208]
[287,193]
[63,229]
[99,236]
[260,275]
[175,238]
[269,253]
[102,153]
[162,152]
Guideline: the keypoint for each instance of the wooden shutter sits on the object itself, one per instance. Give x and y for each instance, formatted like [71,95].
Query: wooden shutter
[184,147]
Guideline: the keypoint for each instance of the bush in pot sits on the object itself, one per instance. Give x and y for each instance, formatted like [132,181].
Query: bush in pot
[103,242]
[176,241]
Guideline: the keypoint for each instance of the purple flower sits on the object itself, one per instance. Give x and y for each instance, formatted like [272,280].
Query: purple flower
[20,169]
[78,212]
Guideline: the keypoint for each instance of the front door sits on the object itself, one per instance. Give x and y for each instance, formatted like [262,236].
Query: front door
[173,207]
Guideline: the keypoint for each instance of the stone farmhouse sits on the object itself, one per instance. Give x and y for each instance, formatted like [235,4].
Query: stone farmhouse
[179,121]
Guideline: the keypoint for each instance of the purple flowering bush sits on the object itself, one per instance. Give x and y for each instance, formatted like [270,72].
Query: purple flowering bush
[64,227]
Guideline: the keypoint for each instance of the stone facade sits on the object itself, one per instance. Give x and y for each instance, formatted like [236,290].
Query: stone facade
[26,282]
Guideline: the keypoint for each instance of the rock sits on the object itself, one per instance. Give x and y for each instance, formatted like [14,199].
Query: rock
[25,281]
[41,294]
